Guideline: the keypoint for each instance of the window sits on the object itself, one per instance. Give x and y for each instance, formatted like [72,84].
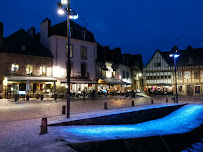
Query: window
[154,77]
[196,74]
[165,77]
[127,75]
[15,69]
[123,74]
[197,89]
[71,51]
[162,77]
[29,69]
[180,75]
[43,70]
[83,52]
[169,76]
[151,77]
[147,77]
[158,77]
[180,88]
[157,64]
[187,74]
[83,69]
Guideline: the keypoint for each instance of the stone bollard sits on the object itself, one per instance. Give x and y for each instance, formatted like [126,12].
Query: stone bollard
[152,101]
[63,110]
[166,99]
[105,105]
[133,103]
[43,126]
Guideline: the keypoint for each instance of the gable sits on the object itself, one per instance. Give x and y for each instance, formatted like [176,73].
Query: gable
[157,62]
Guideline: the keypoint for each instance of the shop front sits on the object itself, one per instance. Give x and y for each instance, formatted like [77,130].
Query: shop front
[28,85]
[159,89]
[77,86]
[113,85]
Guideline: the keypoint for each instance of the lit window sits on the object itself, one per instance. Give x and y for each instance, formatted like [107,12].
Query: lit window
[15,69]
[83,52]
[43,70]
[180,75]
[29,69]
[196,74]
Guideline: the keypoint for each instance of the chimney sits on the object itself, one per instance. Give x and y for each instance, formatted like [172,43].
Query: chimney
[1,35]
[31,31]
[45,32]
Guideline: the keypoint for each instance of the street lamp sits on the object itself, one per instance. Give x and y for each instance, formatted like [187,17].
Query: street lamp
[70,15]
[175,56]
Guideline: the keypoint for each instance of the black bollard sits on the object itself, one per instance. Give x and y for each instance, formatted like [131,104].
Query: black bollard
[166,99]
[105,105]
[43,126]
[133,103]
[55,96]
[152,101]
[63,110]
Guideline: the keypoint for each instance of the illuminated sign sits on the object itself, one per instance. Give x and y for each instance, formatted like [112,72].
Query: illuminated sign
[21,92]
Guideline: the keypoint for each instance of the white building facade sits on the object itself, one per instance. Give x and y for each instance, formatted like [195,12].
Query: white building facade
[83,53]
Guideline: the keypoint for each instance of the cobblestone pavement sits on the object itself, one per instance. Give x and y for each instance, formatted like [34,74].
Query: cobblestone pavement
[23,110]
[20,121]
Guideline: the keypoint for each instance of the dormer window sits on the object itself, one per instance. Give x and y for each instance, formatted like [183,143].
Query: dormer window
[84,35]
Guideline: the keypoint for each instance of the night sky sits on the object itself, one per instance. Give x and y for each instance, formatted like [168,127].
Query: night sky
[136,26]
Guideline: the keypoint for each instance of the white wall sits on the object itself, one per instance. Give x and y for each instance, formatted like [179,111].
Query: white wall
[126,69]
[58,48]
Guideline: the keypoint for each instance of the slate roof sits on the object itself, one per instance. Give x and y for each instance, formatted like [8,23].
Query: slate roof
[76,31]
[188,57]
[15,42]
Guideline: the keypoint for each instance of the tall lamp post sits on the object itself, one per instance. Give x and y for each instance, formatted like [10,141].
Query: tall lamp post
[175,56]
[70,15]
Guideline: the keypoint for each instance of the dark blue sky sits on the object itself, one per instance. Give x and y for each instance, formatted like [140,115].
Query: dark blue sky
[136,26]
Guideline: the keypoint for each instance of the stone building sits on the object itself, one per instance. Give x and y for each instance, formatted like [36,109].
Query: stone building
[116,71]
[25,65]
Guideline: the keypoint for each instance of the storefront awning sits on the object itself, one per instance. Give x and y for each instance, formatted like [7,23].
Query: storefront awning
[111,81]
[77,81]
[30,78]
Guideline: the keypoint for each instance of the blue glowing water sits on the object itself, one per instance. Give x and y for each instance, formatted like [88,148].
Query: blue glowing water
[182,120]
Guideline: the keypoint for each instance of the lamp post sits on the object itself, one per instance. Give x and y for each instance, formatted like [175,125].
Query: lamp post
[69,16]
[175,56]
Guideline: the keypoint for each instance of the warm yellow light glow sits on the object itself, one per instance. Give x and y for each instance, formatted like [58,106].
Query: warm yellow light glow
[140,74]
[5,82]
[59,72]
